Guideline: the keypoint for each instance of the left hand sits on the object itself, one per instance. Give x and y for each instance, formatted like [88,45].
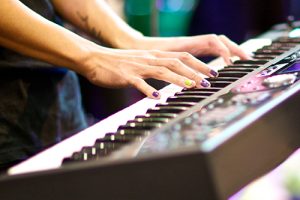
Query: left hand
[202,45]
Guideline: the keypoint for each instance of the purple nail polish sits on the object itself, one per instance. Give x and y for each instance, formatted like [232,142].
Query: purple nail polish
[214,73]
[155,94]
[205,83]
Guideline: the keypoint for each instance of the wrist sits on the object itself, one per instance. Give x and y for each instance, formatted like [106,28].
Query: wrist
[128,40]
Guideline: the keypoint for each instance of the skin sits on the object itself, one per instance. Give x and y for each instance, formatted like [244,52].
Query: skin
[133,57]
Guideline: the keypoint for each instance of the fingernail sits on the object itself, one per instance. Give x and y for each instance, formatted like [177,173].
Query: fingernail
[189,83]
[214,73]
[205,83]
[155,94]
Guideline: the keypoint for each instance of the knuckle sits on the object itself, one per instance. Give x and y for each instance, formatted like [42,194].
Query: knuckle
[213,37]
[134,81]
[213,40]
[195,76]
[224,51]
[92,76]
[175,62]
[185,56]
[222,36]
[161,71]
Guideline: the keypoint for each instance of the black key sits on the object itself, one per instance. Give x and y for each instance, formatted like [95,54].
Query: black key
[267,54]
[104,143]
[167,109]
[121,137]
[89,153]
[236,69]
[253,62]
[186,98]
[210,89]
[137,132]
[126,127]
[183,104]
[77,156]
[151,125]
[232,74]
[264,57]
[164,115]
[151,119]
[67,160]
[202,93]
[220,83]
[288,40]
[231,79]
[284,48]
[249,66]
[268,51]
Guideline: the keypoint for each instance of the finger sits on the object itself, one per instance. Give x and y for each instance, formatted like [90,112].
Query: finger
[234,48]
[220,48]
[176,66]
[188,60]
[145,88]
[162,73]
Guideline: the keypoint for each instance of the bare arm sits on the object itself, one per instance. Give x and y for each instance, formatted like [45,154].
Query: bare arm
[28,33]
[96,17]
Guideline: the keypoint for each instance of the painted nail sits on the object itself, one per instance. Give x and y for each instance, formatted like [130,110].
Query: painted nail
[214,73]
[205,83]
[189,83]
[155,94]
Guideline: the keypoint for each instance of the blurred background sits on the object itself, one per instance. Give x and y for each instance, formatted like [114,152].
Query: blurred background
[240,20]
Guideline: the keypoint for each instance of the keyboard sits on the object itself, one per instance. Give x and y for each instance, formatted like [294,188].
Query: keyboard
[196,143]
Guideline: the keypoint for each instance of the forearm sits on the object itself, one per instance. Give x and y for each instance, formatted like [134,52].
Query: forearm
[30,34]
[97,18]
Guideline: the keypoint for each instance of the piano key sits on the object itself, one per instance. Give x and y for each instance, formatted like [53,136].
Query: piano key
[111,137]
[144,124]
[167,109]
[288,40]
[253,62]
[201,93]
[136,132]
[264,57]
[186,98]
[232,79]
[125,138]
[268,51]
[164,115]
[210,89]
[232,74]
[220,83]
[184,104]
[150,119]
[239,69]
[91,152]
[126,127]
[267,54]
[249,66]
[278,47]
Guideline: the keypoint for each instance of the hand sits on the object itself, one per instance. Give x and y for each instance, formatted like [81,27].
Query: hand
[196,45]
[120,68]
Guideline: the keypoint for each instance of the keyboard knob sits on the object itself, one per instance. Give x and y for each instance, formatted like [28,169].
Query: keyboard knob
[280,80]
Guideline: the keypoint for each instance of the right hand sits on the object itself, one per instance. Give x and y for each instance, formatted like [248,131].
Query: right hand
[116,68]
